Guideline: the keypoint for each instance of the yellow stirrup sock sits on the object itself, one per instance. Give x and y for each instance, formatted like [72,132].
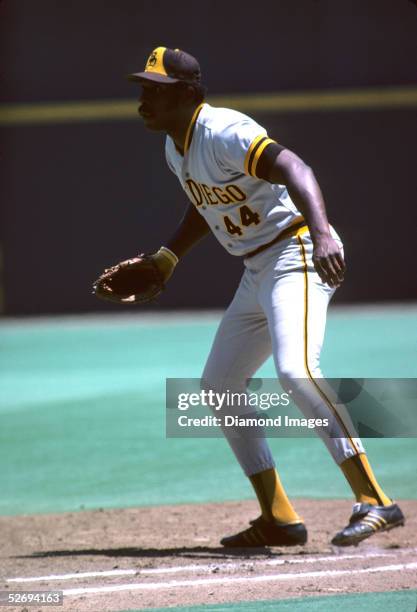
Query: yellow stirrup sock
[272,497]
[362,481]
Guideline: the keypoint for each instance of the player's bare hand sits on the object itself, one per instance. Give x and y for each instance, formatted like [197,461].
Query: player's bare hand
[328,261]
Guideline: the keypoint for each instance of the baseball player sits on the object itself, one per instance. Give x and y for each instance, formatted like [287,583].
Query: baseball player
[263,204]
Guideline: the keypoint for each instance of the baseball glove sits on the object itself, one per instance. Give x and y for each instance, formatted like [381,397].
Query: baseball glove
[133,281]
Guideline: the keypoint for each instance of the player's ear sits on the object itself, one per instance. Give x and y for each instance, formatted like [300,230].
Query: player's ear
[188,93]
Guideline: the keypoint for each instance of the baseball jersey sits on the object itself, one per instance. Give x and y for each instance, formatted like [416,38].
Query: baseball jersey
[218,174]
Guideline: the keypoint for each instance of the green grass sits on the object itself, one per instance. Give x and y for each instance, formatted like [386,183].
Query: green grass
[388,601]
[82,413]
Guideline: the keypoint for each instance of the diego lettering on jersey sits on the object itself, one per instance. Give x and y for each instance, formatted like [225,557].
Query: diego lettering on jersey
[201,194]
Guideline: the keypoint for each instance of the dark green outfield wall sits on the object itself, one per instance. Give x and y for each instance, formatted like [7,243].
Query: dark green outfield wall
[77,196]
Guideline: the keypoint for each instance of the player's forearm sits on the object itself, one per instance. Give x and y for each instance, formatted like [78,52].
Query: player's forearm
[306,194]
[190,231]
[304,190]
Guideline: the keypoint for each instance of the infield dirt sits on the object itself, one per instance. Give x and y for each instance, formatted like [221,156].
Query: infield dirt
[171,556]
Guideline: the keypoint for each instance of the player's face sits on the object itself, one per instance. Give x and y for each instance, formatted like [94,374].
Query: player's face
[158,105]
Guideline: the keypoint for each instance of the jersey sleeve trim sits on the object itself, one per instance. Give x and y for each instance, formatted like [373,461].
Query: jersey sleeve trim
[190,130]
[258,154]
[254,153]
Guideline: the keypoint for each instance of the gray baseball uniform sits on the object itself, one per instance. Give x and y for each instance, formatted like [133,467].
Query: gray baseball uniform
[280,305]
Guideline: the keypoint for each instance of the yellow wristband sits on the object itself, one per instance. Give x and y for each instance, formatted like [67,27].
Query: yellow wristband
[168,254]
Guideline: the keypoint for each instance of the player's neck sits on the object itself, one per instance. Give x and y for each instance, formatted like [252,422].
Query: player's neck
[178,131]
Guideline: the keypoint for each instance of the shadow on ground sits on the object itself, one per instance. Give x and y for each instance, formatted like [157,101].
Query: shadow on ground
[200,552]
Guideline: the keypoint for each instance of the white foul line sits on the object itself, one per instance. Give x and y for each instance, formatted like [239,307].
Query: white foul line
[129,572]
[250,579]
[198,567]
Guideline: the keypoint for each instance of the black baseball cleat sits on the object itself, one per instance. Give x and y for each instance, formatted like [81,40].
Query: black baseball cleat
[268,533]
[367,520]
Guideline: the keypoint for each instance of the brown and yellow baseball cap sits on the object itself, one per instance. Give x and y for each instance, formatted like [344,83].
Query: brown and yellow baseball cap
[169,66]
